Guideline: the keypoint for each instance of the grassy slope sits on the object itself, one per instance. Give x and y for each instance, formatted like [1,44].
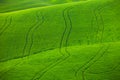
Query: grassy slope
[97,62]
[35,36]
[12,5]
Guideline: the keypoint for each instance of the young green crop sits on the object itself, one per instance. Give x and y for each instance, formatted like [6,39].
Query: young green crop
[75,41]
[13,5]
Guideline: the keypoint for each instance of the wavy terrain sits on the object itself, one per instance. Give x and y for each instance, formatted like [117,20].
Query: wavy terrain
[65,40]
[13,5]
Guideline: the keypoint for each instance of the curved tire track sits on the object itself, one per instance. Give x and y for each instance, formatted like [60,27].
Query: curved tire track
[32,34]
[29,36]
[92,58]
[65,55]
[88,62]
[5,72]
[94,61]
[6,26]
[38,24]
[103,72]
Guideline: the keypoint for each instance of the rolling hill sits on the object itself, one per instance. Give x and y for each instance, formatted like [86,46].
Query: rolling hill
[12,5]
[61,41]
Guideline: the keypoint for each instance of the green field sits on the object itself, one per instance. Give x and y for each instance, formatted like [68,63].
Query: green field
[12,5]
[59,40]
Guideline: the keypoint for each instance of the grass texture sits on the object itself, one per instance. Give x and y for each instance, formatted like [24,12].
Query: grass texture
[70,41]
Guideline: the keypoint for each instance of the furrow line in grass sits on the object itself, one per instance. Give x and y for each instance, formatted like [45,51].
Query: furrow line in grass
[6,27]
[101,19]
[4,24]
[92,58]
[5,72]
[96,17]
[64,56]
[52,64]
[68,36]
[102,22]
[93,62]
[22,56]
[103,72]
[63,35]
[29,36]
[103,26]
[98,24]
[2,28]
[77,71]
[32,34]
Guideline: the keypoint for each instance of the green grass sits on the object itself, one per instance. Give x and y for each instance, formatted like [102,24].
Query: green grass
[73,41]
[13,5]
[96,61]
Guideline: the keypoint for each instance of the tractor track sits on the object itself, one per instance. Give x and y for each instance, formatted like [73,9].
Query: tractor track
[102,32]
[101,40]
[103,26]
[96,17]
[32,34]
[108,71]
[98,24]
[6,26]
[102,21]
[5,72]
[76,73]
[103,72]
[98,14]
[28,36]
[101,55]
[22,56]
[66,55]
[31,37]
